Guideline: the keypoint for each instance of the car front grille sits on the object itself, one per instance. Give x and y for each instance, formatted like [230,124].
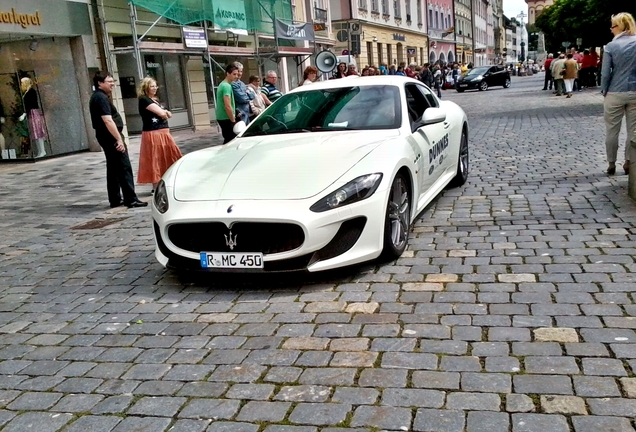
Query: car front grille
[268,238]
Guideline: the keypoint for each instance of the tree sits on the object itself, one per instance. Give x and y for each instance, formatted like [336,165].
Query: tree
[589,20]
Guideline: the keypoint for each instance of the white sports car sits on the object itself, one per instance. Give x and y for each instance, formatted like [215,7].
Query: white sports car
[330,175]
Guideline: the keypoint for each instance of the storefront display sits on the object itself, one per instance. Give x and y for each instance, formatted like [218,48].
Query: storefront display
[43,80]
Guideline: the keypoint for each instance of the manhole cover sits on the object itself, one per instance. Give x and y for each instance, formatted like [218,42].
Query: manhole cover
[98,223]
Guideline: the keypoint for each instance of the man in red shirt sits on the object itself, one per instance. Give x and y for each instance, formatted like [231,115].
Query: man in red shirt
[588,69]
[548,74]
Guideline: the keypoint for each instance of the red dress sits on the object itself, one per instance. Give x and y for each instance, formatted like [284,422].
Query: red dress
[158,150]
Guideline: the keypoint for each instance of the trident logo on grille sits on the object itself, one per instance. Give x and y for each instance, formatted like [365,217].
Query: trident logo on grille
[231,242]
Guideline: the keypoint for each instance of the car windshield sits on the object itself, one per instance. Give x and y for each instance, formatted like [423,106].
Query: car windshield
[478,71]
[333,109]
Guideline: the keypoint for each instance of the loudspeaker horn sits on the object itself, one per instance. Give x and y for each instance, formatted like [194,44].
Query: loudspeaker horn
[326,61]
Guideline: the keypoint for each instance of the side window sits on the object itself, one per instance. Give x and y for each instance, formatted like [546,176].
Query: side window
[418,99]
[429,96]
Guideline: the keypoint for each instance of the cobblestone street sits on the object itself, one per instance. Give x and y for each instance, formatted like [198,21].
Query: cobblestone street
[513,309]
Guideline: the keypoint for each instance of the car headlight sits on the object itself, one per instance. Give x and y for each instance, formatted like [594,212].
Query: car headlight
[356,190]
[161,197]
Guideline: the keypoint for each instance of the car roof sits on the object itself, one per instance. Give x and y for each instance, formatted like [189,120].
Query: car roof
[395,80]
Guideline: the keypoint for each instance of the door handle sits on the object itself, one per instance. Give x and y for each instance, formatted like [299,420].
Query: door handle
[446,125]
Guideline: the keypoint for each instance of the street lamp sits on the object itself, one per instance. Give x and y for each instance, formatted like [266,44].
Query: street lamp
[521,16]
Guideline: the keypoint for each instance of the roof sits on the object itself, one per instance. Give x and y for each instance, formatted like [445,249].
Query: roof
[357,81]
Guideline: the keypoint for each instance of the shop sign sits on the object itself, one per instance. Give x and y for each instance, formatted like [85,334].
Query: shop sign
[399,37]
[411,51]
[23,19]
[302,31]
[153,65]
[37,17]
[230,15]
[194,37]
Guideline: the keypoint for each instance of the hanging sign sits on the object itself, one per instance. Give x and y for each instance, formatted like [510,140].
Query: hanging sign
[302,31]
[194,37]
[230,15]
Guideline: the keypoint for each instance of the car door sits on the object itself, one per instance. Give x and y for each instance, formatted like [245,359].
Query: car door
[430,140]
[491,77]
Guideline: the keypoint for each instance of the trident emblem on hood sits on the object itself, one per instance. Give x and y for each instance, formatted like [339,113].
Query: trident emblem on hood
[231,242]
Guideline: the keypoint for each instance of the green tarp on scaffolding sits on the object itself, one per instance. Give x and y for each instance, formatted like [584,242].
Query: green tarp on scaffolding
[251,15]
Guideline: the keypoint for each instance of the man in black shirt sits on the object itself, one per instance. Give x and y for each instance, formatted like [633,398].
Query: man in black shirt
[108,125]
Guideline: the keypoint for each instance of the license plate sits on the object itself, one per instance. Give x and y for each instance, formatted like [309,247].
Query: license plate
[463,85]
[231,260]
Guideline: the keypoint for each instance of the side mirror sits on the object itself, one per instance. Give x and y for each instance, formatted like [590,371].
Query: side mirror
[239,127]
[433,116]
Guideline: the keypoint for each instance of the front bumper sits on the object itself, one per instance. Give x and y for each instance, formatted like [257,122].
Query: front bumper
[332,239]
[467,85]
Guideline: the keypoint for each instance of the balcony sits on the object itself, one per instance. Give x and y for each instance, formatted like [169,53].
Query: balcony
[320,15]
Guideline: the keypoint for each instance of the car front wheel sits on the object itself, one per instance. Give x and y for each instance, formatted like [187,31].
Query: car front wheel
[507,83]
[483,86]
[463,162]
[398,219]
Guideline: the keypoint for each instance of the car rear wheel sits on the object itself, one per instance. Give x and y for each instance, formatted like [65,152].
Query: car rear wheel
[463,162]
[398,219]
[483,86]
[507,83]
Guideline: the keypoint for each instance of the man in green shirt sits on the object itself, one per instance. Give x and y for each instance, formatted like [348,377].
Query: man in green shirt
[225,106]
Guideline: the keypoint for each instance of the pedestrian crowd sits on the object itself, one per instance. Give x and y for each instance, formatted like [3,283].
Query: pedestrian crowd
[572,71]
[439,75]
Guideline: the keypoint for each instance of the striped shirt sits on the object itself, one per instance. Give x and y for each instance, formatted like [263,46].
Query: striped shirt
[271,92]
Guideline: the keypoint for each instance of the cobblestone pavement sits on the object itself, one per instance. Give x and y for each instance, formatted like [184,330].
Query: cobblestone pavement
[513,309]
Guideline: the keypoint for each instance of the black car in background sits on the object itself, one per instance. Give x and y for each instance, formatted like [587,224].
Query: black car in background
[483,77]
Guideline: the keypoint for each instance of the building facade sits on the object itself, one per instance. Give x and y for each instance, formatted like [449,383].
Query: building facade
[441,30]
[387,32]
[46,51]
[512,41]
[480,34]
[535,7]
[464,31]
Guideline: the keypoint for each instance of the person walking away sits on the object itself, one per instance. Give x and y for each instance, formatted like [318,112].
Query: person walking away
[426,76]
[437,80]
[557,69]
[242,96]
[225,106]
[578,57]
[269,87]
[108,125]
[586,74]
[571,68]
[158,150]
[618,85]
[548,73]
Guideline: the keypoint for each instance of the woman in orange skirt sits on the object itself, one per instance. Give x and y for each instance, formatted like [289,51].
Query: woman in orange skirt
[158,150]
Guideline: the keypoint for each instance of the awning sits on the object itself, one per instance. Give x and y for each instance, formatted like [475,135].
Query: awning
[253,15]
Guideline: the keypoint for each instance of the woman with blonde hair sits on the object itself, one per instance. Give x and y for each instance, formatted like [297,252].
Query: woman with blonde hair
[158,150]
[618,85]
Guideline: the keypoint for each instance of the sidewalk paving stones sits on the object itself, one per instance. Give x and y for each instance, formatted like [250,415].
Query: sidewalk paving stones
[513,309]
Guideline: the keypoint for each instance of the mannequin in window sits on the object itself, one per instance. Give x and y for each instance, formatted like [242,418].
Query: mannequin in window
[2,119]
[37,129]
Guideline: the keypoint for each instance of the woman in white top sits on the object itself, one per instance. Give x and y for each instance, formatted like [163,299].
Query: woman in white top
[260,101]
[310,75]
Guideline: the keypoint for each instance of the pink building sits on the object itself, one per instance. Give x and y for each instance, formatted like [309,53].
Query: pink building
[441,30]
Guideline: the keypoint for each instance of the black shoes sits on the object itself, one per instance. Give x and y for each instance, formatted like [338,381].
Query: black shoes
[113,205]
[611,170]
[136,204]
